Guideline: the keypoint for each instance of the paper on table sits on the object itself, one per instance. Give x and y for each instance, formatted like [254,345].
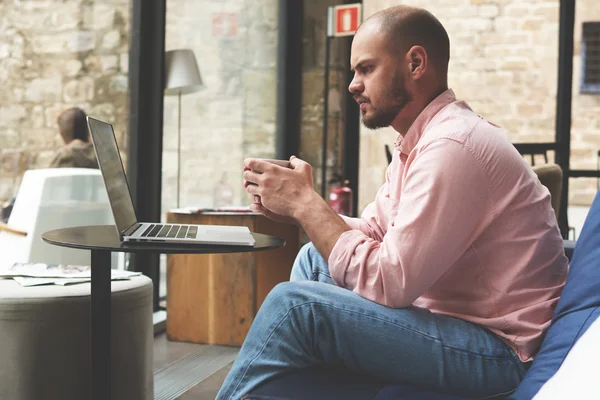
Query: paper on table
[199,210]
[28,281]
[41,270]
[47,281]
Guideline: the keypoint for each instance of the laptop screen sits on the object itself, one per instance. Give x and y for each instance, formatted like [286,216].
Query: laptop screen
[113,173]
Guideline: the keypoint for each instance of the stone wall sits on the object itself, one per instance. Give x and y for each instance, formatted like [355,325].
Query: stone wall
[55,55]
[504,64]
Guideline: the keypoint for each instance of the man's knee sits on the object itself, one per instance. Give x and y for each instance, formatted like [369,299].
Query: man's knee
[284,291]
[288,294]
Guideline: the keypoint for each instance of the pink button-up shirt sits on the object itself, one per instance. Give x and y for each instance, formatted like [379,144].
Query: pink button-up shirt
[462,226]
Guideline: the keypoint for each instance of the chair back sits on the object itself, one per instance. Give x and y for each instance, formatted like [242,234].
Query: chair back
[550,175]
[52,199]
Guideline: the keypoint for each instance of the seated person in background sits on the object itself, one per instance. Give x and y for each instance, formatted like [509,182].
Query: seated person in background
[78,151]
[449,279]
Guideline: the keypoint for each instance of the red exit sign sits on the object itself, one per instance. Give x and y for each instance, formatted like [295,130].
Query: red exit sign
[224,25]
[345,19]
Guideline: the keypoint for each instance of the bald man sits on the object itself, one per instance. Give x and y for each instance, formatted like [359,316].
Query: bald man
[449,278]
[78,151]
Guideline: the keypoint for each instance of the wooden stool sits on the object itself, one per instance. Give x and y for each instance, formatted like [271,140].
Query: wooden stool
[213,298]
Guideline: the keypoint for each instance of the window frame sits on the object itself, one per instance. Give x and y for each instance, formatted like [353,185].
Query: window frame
[588,88]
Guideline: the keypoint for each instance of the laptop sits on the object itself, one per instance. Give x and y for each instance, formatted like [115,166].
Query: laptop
[126,222]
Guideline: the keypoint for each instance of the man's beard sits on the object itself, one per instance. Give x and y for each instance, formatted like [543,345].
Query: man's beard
[397,97]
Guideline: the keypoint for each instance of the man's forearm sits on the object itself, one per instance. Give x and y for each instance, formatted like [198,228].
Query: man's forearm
[322,225]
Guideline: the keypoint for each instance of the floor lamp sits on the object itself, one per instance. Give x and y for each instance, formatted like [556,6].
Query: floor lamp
[181,77]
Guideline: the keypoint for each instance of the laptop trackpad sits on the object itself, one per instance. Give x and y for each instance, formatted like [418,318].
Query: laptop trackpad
[232,232]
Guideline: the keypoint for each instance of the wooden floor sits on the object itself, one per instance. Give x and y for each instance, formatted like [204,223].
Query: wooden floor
[207,390]
[167,352]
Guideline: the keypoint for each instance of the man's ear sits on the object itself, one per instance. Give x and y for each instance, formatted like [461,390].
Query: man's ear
[415,63]
[418,61]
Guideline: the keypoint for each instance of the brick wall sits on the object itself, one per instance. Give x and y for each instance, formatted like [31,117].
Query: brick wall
[504,64]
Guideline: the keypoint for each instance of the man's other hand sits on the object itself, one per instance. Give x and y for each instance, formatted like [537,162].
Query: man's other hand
[281,191]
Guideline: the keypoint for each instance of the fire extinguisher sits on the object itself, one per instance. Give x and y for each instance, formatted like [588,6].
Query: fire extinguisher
[340,199]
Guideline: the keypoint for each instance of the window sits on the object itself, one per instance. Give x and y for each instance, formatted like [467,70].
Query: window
[590,58]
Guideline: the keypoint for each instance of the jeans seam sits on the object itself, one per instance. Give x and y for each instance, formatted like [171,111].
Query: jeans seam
[493,396]
[369,316]
[262,349]
[317,273]
[462,351]
[411,330]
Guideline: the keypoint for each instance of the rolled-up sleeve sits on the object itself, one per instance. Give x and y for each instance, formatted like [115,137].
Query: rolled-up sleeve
[356,224]
[443,207]
[367,223]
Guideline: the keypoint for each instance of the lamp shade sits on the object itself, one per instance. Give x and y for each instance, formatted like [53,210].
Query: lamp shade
[182,74]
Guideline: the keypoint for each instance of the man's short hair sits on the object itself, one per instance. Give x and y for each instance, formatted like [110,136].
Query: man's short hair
[410,26]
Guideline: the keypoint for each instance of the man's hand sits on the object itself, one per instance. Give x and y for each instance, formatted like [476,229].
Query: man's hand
[284,192]
[256,206]
[288,193]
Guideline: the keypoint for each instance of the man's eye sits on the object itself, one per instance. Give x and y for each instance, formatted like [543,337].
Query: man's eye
[367,69]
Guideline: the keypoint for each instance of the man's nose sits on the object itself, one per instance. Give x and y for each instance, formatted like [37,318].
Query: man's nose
[356,86]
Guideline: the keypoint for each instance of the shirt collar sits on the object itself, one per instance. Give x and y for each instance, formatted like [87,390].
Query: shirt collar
[407,143]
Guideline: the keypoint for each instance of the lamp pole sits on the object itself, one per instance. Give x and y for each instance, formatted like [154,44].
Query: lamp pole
[178,146]
[182,77]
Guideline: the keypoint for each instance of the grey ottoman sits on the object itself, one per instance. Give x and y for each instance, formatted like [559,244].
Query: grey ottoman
[45,341]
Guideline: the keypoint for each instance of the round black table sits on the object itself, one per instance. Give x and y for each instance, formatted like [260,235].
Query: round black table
[101,240]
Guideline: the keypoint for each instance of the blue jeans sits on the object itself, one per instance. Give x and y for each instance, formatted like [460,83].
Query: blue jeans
[310,321]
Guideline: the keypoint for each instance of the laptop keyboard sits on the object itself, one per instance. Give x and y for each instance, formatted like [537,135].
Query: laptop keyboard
[171,231]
